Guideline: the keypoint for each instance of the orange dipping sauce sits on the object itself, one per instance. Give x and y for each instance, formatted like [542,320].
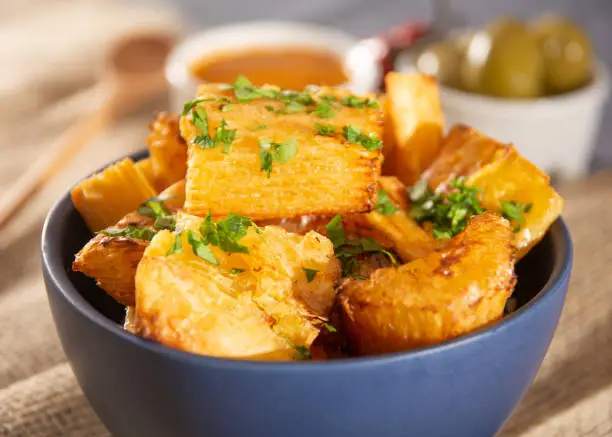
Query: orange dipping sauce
[288,67]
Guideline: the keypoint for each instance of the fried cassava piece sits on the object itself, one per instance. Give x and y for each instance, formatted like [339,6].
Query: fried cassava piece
[414,125]
[265,158]
[104,198]
[111,257]
[167,149]
[447,293]
[264,300]
[506,181]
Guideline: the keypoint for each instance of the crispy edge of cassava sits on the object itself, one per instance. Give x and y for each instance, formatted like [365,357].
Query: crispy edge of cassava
[112,261]
[397,231]
[107,196]
[414,114]
[464,151]
[167,149]
[448,293]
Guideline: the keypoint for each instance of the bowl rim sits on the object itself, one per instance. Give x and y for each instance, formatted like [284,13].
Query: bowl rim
[363,73]
[56,274]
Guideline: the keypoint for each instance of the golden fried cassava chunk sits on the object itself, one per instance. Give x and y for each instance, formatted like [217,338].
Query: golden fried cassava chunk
[450,292]
[187,303]
[281,290]
[112,260]
[503,176]
[106,197]
[416,123]
[390,223]
[278,164]
[167,149]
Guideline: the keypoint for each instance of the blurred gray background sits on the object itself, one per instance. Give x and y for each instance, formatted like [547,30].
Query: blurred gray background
[368,17]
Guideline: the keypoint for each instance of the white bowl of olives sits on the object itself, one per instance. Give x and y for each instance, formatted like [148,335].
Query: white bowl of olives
[536,85]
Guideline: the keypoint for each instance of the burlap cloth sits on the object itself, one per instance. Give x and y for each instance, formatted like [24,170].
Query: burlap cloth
[39,397]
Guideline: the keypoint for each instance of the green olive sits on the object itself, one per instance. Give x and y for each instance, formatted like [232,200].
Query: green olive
[441,60]
[504,63]
[567,53]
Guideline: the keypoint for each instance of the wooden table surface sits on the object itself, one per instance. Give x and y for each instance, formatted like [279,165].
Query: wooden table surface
[46,88]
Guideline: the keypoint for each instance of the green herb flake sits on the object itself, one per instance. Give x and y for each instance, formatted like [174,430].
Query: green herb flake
[384,205]
[188,106]
[295,106]
[514,211]
[270,152]
[225,136]
[200,248]
[310,274]
[165,222]
[449,213]
[236,271]
[335,231]
[330,328]
[353,134]
[226,233]
[245,91]
[177,247]
[324,110]
[270,108]
[228,107]
[302,352]
[325,129]
[154,207]
[259,127]
[145,234]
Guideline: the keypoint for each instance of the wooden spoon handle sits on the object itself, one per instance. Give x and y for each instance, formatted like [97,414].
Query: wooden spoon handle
[55,158]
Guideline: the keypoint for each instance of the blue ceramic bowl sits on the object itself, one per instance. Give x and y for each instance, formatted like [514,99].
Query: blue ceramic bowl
[465,387]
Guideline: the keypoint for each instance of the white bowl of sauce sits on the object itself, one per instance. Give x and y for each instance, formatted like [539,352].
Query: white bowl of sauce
[288,54]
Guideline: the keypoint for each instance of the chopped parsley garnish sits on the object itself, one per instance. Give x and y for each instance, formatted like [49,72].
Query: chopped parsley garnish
[200,247]
[154,207]
[269,108]
[245,91]
[177,247]
[188,106]
[355,102]
[300,97]
[226,233]
[514,211]
[330,328]
[165,222]
[384,205]
[259,127]
[449,213]
[131,232]
[280,153]
[227,107]
[335,231]
[324,110]
[302,352]
[347,251]
[354,135]
[310,274]
[236,271]
[223,136]
[325,129]
[294,106]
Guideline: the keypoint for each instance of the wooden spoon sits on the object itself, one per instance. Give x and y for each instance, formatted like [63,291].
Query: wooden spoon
[132,73]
